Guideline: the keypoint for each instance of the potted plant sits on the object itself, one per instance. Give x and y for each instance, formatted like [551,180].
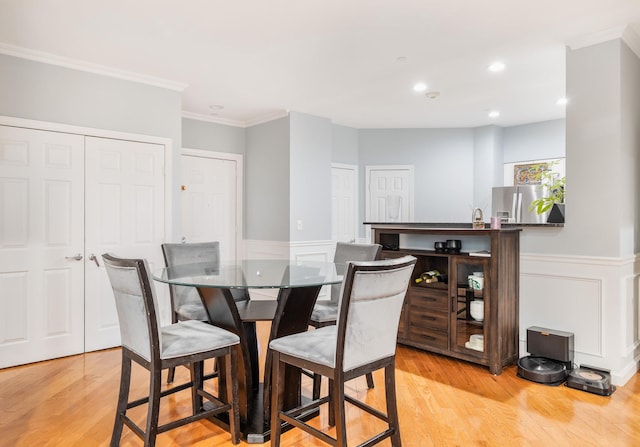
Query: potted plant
[553,187]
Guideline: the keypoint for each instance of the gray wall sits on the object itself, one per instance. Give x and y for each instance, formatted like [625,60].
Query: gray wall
[443,160]
[345,145]
[487,165]
[630,145]
[310,174]
[534,141]
[602,156]
[215,137]
[267,187]
[43,92]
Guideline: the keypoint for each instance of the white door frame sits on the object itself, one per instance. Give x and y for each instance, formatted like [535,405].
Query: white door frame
[356,203]
[239,160]
[368,169]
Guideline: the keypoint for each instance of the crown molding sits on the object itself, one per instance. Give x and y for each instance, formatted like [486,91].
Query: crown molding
[212,119]
[632,39]
[268,117]
[596,38]
[235,123]
[74,64]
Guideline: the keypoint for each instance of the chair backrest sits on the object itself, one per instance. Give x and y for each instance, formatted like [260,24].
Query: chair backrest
[136,304]
[346,251]
[373,295]
[189,253]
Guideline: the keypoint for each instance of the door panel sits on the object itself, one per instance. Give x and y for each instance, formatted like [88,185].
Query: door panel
[344,203]
[389,194]
[124,216]
[41,231]
[209,198]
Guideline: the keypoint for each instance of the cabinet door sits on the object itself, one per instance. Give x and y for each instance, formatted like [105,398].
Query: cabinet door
[470,285]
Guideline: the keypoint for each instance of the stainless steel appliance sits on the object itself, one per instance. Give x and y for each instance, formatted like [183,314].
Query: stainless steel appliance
[511,204]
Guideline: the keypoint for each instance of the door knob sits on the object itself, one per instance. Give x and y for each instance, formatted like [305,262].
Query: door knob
[77,257]
[94,258]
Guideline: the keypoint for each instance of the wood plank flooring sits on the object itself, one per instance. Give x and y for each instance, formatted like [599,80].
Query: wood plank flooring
[443,402]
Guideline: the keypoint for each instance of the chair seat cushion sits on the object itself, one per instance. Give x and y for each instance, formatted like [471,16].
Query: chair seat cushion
[324,313]
[318,345]
[192,311]
[191,337]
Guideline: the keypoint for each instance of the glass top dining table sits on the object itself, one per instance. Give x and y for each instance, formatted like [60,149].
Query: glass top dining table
[298,283]
[253,274]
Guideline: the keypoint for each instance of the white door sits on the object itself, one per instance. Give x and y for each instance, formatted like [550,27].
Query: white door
[41,245]
[209,198]
[124,216]
[344,203]
[389,194]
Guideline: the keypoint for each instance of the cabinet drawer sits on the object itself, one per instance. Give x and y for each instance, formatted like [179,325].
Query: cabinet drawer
[420,316]
[430,300]
[424,336]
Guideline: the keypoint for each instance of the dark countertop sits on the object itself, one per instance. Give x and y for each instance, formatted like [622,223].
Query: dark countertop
[465,225]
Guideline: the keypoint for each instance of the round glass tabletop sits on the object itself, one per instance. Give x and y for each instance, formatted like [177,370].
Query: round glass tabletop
[252,274]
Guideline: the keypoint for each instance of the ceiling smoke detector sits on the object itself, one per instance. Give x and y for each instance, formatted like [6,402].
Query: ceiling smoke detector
[432,95]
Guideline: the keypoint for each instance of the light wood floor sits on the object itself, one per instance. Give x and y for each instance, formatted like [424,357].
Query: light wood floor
[443,402]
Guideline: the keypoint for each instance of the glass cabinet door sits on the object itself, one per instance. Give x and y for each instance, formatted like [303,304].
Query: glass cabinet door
[469,304]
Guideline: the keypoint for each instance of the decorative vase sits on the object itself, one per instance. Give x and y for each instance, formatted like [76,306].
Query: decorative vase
[556,215]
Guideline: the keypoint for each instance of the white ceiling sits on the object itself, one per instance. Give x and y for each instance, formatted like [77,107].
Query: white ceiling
[337,59]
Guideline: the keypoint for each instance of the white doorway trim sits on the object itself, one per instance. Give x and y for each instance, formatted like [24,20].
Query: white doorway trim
[368,169]
[356,201]
[239,160]
[407,170]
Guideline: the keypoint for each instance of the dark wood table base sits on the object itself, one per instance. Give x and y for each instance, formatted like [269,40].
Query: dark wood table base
[289,314]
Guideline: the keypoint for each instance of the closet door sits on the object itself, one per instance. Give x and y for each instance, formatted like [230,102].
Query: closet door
[41,245]
[209,197]
[124,216]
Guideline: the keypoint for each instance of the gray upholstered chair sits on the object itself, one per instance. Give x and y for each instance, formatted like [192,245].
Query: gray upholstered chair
[362,341]
[185,301]
[325,312]
[156,348]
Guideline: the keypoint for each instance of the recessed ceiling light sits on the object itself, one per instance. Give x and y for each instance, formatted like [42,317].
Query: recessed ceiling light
[562,101]
[494,114]
[432,95]
[420,87]
[216,107]
[496,67]
[401,58]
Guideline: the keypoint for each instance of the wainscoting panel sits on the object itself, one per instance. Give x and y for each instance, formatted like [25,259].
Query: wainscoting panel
[594,298]
[558,300]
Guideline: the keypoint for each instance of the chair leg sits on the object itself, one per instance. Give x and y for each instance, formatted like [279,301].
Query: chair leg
[392,404]
[171,373]
[317,383]
[332,405]
[339,412]
[154,408]
[370,383]
[277,398]
[123,397]
[231,363]
[197,371]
